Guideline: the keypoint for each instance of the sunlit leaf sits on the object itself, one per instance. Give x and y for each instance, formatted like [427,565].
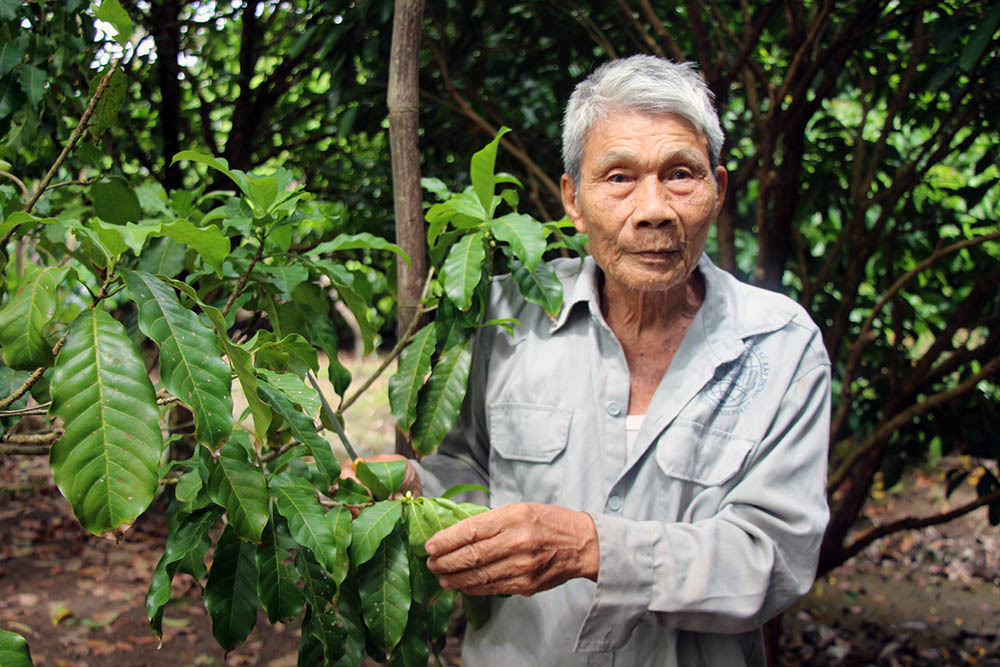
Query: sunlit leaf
[414,365]
[463,269]
[445,391]
[24,317]
[371,527]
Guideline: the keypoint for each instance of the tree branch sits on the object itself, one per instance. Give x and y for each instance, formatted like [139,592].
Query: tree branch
[914,523]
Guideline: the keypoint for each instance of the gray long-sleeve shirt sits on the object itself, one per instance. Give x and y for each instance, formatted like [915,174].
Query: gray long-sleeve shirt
[708,526]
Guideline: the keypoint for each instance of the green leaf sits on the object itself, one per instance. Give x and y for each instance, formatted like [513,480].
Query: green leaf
[326,536]
[115,202]
[207,241]
[294,388]
[191,364]
[350,492]
[23,319]
[217,163]
[231,589]
[286,277]
[463,269]
[411,651]
[303,430]
[476,608]
[463,488]
[11,381]
[414,365]
[280,597]
[361,241]
[14,650]
[263,191]
[187,543]
[11,54]
[384,584]
[981,39]
[164,257]
[444,393]
[107,108]
[371,527]
[524,234]
[384,478]
[32,82]
[107,459]
[112,12]
[424,520]
[240,359]
[541,286]
[241,488]
[482,171]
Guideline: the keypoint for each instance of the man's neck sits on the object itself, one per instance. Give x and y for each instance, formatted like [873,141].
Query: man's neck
[634,314]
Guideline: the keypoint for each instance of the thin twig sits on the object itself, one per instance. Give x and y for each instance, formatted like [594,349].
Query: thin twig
[33,438]
[23,412]
[24,450]
[24,188]
[243,279]
[332,418]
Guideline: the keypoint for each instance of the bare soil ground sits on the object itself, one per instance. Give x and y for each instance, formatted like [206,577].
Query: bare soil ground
[930,597]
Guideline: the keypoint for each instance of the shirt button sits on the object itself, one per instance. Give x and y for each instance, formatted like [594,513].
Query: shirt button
[614,409]
[615,503]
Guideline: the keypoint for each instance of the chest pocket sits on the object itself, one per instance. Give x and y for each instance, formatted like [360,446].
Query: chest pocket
[702,455]
[527,447]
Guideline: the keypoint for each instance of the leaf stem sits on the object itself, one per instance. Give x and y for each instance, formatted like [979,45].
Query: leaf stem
[24,450]
[20,183]
[243,279]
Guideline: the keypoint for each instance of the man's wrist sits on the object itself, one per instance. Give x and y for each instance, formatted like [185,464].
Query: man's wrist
[590,550]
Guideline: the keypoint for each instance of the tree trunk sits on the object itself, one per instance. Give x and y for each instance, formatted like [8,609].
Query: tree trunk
[402,99]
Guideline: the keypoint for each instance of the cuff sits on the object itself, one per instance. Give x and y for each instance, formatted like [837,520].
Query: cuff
[624,583]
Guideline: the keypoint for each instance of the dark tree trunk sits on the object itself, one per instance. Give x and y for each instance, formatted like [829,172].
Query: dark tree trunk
[167,37]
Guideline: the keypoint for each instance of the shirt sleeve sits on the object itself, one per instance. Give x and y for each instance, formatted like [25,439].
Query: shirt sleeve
[733,571]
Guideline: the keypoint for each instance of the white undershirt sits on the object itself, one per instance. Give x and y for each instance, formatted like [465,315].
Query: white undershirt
[633,424]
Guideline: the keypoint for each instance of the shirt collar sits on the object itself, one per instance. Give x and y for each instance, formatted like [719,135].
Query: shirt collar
[580,286]
[715,315]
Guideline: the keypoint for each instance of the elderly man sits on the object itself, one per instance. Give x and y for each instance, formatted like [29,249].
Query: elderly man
[656,455]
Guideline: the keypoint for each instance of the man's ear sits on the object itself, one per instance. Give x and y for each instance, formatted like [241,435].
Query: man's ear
[721,182]
[571,205]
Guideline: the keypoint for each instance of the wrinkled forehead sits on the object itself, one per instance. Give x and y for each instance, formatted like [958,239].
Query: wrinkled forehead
[639,129]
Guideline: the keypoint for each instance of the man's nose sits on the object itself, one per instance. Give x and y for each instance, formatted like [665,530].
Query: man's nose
[653,204]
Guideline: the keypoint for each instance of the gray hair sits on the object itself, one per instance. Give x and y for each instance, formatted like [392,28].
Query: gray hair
[639,83]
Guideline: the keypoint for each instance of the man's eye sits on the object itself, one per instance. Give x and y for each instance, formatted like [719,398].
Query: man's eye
[617,178]
[679,174]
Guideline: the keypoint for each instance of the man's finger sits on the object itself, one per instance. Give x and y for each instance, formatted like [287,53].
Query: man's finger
[467,531]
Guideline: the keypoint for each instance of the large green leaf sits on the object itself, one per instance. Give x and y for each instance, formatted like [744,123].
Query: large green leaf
[411,651]
[364,240]
[280,597]
[106,111]
[384,584]
[231,589]
[112,12]
[241,488]
[463,269]
[115,202]
[32,82]
[482,171]
[191,365]
[371,527]
[404,386]
[303,430]
[107,459]
[187,543]
[326,536]
[524,234]
[542,286]
[23,319]
[429,515]
[384,478]
[444,393]
[239,358]
[295,389]
[207,241]
[14,650]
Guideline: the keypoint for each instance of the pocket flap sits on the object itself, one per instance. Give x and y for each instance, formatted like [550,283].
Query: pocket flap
[701,454]
[531,433]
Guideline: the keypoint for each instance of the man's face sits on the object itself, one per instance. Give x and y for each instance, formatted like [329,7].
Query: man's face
[647,197]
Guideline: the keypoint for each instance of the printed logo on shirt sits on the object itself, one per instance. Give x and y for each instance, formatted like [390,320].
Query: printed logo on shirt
[737,383]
